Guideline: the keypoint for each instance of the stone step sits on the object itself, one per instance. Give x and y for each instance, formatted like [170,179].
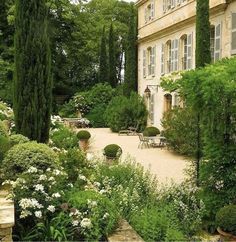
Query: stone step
[125,233]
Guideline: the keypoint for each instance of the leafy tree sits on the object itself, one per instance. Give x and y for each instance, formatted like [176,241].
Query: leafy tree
[33,83]
[103,68]
[131,56]
[112,61]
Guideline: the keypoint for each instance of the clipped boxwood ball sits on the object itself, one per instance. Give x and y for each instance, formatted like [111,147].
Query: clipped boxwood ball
[83,135]
[16,139]
[112,151]
[226,219]
[22,156]
[151,131]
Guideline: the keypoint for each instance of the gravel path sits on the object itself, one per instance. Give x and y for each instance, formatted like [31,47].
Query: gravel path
[164,164]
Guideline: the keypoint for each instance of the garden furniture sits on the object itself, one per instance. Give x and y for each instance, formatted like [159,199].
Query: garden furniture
[143,141]
[129,131]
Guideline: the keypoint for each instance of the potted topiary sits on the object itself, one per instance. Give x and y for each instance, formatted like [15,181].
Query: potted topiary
[83,136]
[112,152]
[226,222]
[151,131]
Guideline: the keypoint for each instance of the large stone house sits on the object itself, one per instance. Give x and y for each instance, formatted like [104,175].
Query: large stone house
[166,44]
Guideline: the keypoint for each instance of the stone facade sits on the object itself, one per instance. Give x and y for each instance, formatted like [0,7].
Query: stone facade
[166,44]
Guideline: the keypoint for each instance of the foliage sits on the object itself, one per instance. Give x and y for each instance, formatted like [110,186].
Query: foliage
[180,126]
[83,135]
[151,131]
[113,151]
[64,138]
[73,161]
[96,116]
[131,64]
[123,112]
[94,216]
[103,73]
[3,129]
[203,52]
[225,219]
[6,113]
[4,146]
[33,82]
[20,157]
[16,139]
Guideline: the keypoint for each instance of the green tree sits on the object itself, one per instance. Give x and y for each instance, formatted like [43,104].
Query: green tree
[103,68]
[112,59]
[33,82]
[131,55]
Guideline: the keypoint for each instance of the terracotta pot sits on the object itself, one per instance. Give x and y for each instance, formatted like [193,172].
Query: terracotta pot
[226,236]
[83,144]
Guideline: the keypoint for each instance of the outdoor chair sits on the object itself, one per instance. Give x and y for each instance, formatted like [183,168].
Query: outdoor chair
[129,130]
[143,142]
[161,144]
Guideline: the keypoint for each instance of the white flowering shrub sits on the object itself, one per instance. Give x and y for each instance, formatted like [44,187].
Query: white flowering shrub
[6,112]
[93,215]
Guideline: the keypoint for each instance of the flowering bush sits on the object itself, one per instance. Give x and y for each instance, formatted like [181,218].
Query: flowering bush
[93,215]
[17,139]
[3,129]
[4,147]
[6,112]
[22,156]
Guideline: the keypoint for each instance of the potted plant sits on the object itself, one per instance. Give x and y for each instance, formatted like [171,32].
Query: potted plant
[226,222]
[112,152]
[151,131]
[83,136]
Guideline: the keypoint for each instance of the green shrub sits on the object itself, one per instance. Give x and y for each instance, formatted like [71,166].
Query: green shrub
[73,161]
[113,151]
[96,117]
[83,135]
[16,139]
[123,112]
[226,219]
[64,138]
[4,146]
[180,127]
[3,129]
[20,157]
[100,213]
[151,131]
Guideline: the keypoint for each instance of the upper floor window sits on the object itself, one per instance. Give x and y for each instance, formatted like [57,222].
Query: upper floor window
[233,38]
[149,63]
[184,51]
[215,35]
[170,4]
[150,11]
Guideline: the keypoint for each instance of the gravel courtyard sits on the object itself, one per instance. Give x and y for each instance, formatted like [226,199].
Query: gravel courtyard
[163,163]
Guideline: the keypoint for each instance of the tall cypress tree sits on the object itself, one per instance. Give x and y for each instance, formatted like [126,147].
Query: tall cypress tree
[131,56]
[33,83]
[203,52]
[112,58]
[202,57]
[103,68]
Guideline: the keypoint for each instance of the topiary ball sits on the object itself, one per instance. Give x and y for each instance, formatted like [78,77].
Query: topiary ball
[83,135]
[22,156]
[112,151]
[151,131]
[226,219]
[16,139]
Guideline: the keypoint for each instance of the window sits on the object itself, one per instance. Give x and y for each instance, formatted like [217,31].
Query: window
[174,55]
[151,60]
[151,108]
[189,51]
[144,63]
[168,55]
[162,59]
[233,41]
[184,52]
[167,102]
[215,35]
[150,11]
[212,42]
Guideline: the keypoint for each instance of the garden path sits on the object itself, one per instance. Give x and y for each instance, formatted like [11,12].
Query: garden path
[163,163]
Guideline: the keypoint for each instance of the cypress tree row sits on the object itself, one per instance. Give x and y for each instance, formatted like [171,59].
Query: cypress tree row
[112,59]
[103,68]
[33,83]
[131,56]
[203,52]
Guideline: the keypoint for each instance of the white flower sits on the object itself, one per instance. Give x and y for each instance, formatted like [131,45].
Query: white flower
[89,156]
[49,169]
[97,184]
[29,203]
[42,178]
[56,195]
[32,170]
[25,213]
[86,223]
[91,204]
[56,172]
[70,185]
[102,191]
[51,208]
[51,178]
[106,215]
[75,222]
[39,187]
[38,214]
[82,177]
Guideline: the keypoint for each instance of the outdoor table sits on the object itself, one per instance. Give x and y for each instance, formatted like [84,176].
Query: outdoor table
[158,141]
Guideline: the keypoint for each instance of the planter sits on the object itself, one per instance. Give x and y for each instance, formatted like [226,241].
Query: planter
[226,236]
[84,144]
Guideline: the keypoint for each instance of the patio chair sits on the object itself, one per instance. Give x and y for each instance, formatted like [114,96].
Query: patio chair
[143,142]
[129,131]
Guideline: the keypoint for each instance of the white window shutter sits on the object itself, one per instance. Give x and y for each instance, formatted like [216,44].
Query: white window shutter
[189,51]
[144,63]
[233,40]
[146,15]
[162,59]
[172,3]
[176,47]
[153,60]
[217,52]
[172,59]
[151,110]
[153,9]
[164,5]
